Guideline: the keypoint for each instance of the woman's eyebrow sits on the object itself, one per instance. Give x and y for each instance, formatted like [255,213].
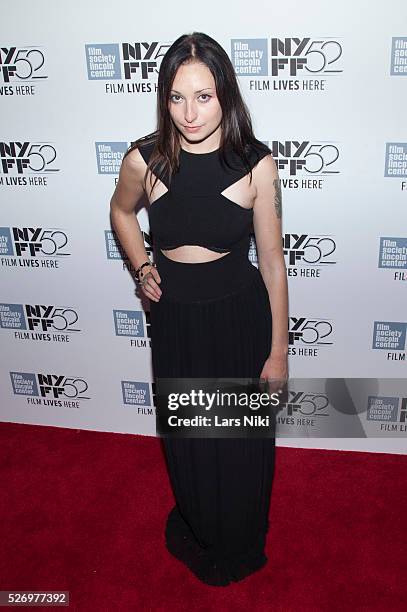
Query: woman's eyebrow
[198,91]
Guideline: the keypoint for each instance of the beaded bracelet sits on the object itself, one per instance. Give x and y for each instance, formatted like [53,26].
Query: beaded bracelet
[146,263]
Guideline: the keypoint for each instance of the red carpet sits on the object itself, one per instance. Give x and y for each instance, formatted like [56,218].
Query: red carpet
[84,512]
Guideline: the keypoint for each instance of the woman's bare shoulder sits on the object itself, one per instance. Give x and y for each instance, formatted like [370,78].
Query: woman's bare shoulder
[132,172]
[134,159]
[140,151]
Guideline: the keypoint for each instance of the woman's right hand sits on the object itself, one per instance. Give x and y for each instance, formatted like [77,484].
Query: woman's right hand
[149,278]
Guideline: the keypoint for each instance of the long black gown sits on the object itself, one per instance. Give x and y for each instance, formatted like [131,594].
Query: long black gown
[213,320]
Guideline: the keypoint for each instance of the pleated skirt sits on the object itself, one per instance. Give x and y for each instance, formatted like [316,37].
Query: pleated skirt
[214,320]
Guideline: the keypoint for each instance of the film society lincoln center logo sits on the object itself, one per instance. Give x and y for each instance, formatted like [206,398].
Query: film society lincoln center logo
[393,256]
[109,156]
[398,60]
[389,412]
[395,164]
[390,336]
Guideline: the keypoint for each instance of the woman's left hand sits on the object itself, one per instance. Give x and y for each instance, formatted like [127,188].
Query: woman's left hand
[275,371]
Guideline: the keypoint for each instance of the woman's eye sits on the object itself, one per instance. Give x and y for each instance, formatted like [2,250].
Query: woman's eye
[206,97]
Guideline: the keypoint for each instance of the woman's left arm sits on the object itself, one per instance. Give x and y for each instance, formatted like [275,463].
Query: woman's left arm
[267,224]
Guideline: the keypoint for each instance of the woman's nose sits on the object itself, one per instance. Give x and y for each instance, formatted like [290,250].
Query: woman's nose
[190,112]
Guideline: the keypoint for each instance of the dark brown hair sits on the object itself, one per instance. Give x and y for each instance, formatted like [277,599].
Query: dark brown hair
[236,126]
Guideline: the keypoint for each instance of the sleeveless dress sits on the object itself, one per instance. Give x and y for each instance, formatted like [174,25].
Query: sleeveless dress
[213,319]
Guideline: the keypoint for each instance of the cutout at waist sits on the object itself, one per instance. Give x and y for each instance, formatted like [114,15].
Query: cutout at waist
[205,252]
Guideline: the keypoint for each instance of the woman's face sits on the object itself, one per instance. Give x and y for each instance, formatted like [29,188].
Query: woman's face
[193,104]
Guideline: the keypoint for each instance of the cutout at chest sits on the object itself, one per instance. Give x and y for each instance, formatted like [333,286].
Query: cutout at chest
[158,191]
[240,192]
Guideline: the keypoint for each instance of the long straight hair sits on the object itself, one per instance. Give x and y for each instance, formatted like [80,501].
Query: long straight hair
[236,125]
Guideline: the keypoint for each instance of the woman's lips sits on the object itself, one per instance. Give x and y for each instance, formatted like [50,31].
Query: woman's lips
[192,128]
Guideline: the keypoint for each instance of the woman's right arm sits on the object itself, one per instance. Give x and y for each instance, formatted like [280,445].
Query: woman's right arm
[127,193]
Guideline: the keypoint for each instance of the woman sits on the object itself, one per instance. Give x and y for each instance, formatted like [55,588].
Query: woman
[209,182]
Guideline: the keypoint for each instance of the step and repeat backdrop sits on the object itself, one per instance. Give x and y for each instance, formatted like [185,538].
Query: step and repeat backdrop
[327,92]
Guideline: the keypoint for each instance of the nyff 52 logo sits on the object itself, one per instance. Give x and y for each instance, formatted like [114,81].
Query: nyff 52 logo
[309,250]
[33,241]
[306,404]
[305,157]
[293,55]
[38,317]
[54,386]
[310,332]
[27,157]
[21,64]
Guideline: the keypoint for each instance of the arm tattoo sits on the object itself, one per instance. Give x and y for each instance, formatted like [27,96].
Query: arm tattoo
[277,197]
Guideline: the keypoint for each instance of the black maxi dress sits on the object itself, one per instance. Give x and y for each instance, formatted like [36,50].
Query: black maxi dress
[213,319]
